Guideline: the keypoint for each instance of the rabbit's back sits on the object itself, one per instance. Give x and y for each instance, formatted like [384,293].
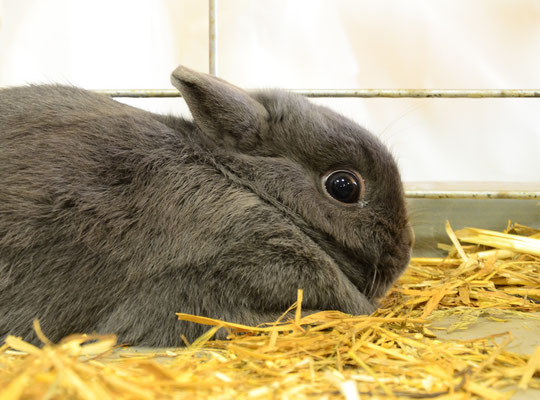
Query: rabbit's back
[72,125]
[65,150]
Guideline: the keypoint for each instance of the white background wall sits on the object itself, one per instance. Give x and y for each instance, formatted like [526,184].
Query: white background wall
[99,44]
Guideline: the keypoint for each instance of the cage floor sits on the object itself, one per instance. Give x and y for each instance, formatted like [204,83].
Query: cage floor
[525,332]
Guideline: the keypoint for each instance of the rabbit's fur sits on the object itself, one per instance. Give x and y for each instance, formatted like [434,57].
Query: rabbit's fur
[113,218]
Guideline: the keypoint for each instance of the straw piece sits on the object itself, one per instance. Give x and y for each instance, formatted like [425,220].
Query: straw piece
[455,241]
[435,300]
[430,261]
[522,230]
[39,332]
[484,391]
[87,345]
[532,366]
[16,343]
[298,314]
[500,240]
[237,327]
[498,254]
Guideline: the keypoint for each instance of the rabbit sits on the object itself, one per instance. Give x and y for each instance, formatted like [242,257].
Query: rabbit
[113,219]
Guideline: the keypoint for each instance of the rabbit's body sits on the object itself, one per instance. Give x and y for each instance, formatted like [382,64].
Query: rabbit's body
[112,218]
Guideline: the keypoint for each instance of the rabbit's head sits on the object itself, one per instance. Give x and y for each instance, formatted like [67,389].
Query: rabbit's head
[333,179]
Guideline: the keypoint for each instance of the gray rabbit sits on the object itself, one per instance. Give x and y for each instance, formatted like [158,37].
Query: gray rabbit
[113,218]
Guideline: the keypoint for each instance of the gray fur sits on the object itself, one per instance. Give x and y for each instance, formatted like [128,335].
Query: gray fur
[113,218]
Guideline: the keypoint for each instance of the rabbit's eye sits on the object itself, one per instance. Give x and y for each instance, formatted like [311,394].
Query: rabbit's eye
[344,186]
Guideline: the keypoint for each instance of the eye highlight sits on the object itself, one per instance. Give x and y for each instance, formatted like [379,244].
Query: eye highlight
[344,186]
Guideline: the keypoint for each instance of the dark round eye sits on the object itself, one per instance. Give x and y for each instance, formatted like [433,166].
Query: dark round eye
[344,186]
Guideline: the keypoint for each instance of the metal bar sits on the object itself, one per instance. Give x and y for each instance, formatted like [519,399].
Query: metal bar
[396,93]
[443,194]
[387,93]
[140,92]
[212,36]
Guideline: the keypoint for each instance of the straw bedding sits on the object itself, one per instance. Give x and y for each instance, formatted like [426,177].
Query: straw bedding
[394,353]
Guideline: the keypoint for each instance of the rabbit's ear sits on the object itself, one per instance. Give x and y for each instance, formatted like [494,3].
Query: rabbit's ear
[221,110]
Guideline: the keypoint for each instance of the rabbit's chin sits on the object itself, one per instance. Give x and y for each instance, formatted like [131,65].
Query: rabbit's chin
[384,275]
